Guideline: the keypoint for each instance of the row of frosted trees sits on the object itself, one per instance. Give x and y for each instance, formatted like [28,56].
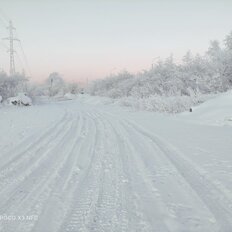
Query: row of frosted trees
[209,73]
[54,85]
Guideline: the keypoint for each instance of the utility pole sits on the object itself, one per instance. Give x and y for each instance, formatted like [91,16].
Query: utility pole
[11,50]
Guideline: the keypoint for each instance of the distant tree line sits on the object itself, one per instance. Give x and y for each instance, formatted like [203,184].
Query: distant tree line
[197,74]
[54,85]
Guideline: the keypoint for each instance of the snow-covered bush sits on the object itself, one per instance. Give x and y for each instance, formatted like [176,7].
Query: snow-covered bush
[163,104]
[11,85]
[20,99]
[54,85]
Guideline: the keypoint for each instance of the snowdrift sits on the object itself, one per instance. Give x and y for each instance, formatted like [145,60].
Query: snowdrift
[216,111]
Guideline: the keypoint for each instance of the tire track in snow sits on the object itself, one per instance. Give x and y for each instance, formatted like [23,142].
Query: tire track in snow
[217,198]
[149,210]
[109,213]
[149,154]
[87,190]
[31,139]
[97,183]
[130,213]
[177,199]
[96,209]
[58,199]
[16,171]
[216,201]
[46,171]
[32,172]
[22,153]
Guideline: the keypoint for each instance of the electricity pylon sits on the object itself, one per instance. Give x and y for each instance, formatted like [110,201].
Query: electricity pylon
[11,50]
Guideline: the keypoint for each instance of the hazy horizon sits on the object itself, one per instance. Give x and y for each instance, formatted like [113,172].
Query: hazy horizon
[91,39]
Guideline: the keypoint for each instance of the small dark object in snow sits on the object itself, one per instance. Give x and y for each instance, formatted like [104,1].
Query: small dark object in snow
[190,110]
[14,103]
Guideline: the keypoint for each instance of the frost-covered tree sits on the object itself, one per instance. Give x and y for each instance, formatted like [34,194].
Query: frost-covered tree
[54,84]
[228,41]
[72,88]
[10,86]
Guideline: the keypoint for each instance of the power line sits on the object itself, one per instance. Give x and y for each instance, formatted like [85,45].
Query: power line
[11,39]
[20,60]
[25,58]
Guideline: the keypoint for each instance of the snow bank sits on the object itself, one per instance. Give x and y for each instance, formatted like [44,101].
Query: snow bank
[69,96]
[154,103]
[216,111]
[163,104]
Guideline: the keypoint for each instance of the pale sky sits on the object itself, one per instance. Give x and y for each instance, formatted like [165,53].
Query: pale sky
[92,38]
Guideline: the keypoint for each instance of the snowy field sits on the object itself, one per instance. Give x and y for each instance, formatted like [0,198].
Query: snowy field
[84,165]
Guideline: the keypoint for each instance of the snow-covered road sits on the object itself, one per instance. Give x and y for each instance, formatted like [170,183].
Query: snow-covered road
[89,167]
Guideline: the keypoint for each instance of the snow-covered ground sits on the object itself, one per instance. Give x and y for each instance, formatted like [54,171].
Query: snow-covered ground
[88,165]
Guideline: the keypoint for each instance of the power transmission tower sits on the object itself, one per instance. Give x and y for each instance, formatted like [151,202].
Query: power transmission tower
[11,50]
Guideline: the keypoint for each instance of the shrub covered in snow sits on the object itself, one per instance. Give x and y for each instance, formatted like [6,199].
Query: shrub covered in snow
[21,99]
[174,104]
[11,85]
